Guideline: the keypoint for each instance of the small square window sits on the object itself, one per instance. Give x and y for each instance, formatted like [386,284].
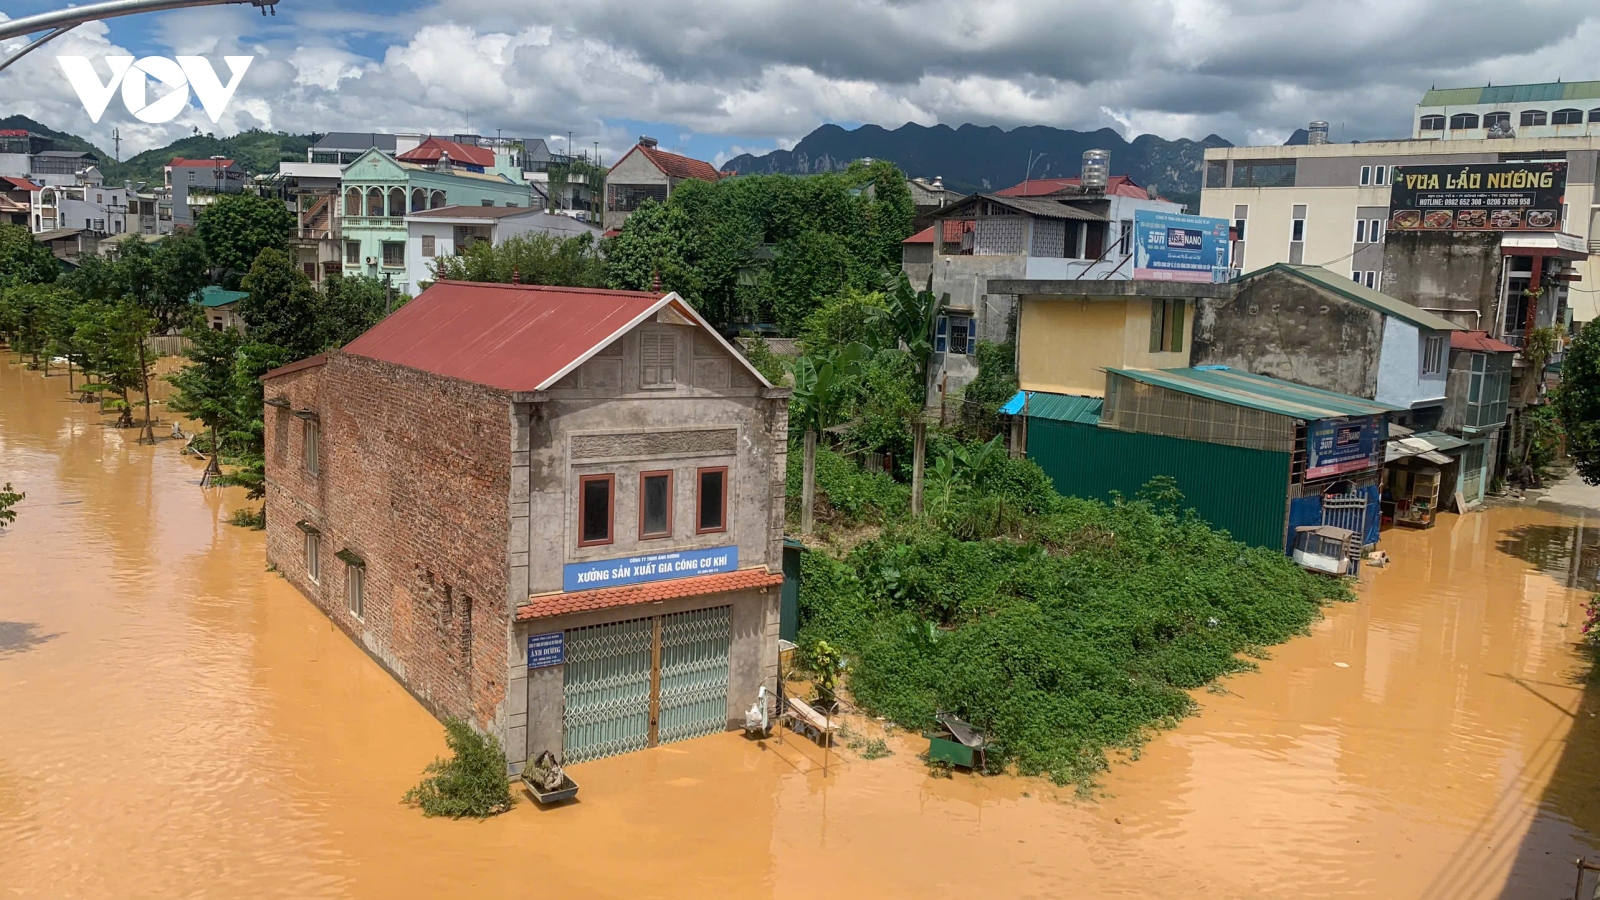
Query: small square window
[711,512]
[1432,355]
[427,246]
[352,253]
[655,504]
[394,254]
[594,509]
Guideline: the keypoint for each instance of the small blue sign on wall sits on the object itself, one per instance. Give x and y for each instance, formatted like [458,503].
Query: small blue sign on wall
[547,649]
[599,573]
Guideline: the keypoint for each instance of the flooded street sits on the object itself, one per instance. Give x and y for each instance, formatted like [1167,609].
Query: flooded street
[176,721]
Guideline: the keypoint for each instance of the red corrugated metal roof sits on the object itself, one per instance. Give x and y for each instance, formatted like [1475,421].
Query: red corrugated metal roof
[546,605]
[21,184]
[13,132]
[507,336]
[1478,341]
[429,150]
[179,162]
[1120,185]
[309,362]
[925,236]
[674,165]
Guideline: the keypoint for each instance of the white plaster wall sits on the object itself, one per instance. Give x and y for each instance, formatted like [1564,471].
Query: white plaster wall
[418,268]
[1400,379]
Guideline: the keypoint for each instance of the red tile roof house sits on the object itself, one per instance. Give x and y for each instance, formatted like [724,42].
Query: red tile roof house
[554,512]
[648,172]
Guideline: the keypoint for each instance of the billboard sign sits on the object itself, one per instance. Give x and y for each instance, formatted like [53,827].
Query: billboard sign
[600,573]
[1477,197]
[1338,446]
[1176,247]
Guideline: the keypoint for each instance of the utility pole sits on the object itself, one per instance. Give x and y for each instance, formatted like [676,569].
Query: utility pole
[116,142]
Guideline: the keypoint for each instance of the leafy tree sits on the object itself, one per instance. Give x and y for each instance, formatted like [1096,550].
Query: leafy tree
[348,306]
[8,500]
[28,311]
[112,337]
[205,387]
[471,783]
[1578,401]
[281,308]
[533,258]
[651,246]
[24,260]
[810,267]
[235,228]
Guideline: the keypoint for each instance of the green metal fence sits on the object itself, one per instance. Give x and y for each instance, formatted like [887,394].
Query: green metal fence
[1238,489]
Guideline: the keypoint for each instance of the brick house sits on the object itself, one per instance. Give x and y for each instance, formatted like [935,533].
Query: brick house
[648,172]
[554,512]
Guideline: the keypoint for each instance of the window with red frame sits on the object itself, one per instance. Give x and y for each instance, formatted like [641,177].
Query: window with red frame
[711,512]
[594,509]
[655,504]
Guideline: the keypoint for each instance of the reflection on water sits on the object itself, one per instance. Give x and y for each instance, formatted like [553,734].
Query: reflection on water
[177,722]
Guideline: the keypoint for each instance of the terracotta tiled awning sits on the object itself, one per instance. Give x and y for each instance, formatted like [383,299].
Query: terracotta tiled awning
[561,604]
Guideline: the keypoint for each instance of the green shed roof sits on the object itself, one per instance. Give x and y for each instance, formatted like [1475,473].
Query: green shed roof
[1547,92]
[1358,293]
[212,296]
[1064,408]
[1273,395]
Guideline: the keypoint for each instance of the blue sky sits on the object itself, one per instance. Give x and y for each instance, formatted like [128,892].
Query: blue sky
[713,79]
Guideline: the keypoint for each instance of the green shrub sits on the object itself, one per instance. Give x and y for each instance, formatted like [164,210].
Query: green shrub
[255,519]
[471,783]
[846,495]
[1076,630]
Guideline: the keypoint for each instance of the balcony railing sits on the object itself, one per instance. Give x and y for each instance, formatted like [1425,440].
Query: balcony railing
[373,221]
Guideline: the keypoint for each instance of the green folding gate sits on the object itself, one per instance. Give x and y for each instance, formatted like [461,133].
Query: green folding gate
[694,673]
[606,684]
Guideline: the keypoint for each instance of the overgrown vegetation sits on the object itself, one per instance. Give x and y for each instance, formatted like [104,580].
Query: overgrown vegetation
[1577,401]
[472,783]
[767,248]
[529,259]
[1061,627]
[8,502]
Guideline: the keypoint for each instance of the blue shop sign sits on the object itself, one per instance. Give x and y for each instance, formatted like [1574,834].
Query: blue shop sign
[547,649]
[599,573]
[1338,446]
[1176,247]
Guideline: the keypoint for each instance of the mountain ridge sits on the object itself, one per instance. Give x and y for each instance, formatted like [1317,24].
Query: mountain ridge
[258,151]
[988,158]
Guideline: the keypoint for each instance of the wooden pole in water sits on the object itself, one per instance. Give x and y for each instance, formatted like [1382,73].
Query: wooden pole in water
[144,379]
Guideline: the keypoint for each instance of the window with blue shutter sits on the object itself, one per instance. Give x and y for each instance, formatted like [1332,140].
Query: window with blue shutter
[939,334]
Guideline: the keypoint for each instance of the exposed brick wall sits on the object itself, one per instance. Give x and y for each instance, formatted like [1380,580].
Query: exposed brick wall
[415,479]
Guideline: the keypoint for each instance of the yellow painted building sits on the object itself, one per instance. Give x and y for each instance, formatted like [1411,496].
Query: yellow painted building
[1070,332]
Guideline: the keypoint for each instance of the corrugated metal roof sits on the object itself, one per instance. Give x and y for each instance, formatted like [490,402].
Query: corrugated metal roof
[1545,92]
[515,337]
[431,149]
[1044,207]
[213,296]
[1273,395]
[1118,185]
[512,337]
[1350,290]
[1064,408]
[1441,441]
[1479,341]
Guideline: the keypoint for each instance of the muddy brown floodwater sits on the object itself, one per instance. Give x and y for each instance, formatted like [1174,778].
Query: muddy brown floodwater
[175,721]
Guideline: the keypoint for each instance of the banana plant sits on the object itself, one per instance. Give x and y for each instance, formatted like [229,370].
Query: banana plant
[823,385]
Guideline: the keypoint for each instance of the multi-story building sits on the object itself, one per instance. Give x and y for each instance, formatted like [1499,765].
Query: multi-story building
[378,192]
[194,183]
[1552,110]
[1329,205]
[17,149]
[16,200]
[648,173]
[435,233]
[341,148]
[556,513]
[1052,239]
[62,168]
[89,205]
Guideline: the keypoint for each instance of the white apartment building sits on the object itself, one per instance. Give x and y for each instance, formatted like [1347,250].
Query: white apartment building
[1328,204]
[1551,110]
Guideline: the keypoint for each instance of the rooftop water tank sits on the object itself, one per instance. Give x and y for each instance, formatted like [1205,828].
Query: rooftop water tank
[1317,133]
[1096,170]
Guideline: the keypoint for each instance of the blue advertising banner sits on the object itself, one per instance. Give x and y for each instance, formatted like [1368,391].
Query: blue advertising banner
[1337,446]
[1176,247]
[547,649]
[599,573]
